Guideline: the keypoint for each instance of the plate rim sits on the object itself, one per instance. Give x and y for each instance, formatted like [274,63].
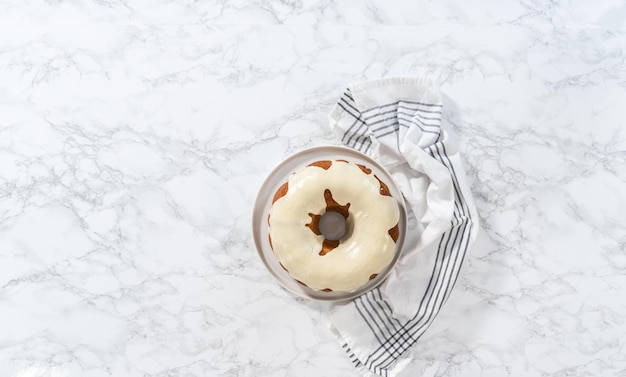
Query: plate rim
[261,202]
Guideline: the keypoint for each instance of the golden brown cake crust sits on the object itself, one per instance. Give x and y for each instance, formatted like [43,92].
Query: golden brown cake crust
[333,205]
[282,191]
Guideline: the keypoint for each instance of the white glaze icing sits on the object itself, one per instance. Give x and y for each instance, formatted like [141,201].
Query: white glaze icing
[365,250]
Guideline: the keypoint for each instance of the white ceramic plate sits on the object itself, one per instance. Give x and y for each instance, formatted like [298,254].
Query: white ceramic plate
[264,201]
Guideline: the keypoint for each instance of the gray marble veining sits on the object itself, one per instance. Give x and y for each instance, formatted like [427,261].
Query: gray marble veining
[134,137]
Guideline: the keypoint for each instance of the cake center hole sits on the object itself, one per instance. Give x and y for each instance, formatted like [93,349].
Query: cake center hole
[332,225]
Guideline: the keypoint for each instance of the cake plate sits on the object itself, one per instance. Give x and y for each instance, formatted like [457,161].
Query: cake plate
[263,204]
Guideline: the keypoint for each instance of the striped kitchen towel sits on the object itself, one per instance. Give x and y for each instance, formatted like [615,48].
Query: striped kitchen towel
[397,121]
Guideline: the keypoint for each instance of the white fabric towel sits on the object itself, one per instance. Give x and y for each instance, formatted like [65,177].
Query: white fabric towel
[396,121]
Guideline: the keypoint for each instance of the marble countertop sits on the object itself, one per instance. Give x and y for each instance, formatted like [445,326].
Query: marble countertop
[134,137]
